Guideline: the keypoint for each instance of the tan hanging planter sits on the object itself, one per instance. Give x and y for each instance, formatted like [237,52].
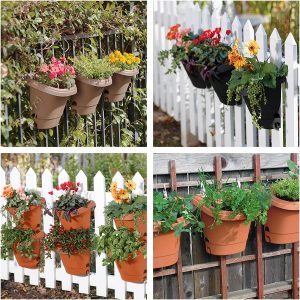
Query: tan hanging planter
[88,95]
[48,103]
[282,226]
[120,82]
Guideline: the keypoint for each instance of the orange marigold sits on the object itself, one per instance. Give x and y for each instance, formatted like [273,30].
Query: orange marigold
[8,191]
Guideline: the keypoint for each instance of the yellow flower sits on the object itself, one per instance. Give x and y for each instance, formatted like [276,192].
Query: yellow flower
[113,186]
[239,61]
[130,185]
[118,199]
[252,47]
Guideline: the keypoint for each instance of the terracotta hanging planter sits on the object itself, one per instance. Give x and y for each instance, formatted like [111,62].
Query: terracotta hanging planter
[165,246]
[230,237]
[128,221]
[48,103]
[79,220]
[26,262]
[88,95]
[282,226]
[133,270]
[76,264]
[120,82]
[30,219]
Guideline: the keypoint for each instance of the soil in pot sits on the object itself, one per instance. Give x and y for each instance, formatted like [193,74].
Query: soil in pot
[48,103]
[34,261]
[133,270]
[282,225]
[31,218]
[128,221]
[228,238]
[81,219]
[120,82]
[270,118]
[88,94]
[76,264]
[193,71]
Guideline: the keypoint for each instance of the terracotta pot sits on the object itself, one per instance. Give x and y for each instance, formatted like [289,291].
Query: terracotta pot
[128,222]
[48,103]
[282,226]
[133,270]
[120,82]
[26,262]
[88,95]
[79,220]
[76,264]
[30,219]
[165,246]
[230,237]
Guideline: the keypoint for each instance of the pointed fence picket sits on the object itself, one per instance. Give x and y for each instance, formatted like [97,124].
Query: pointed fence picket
[201,114]
[100,279]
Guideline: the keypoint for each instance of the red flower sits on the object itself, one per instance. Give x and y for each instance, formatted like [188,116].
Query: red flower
[78,183]
[50,193]
[57,188]
[218,30]
[228,32]
[195,41]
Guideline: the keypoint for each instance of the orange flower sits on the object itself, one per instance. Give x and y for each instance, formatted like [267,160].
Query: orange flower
[118,199]
[239,61]
[124,194]
[8,191]
[131,185]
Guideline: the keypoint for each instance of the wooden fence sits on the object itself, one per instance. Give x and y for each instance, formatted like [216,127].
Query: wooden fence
[201,115]
[262,269]
[100,277]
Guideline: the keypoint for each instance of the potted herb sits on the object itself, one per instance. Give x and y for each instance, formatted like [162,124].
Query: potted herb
[25,206]
[258,83]
[50,88]
[73,211]
[124,247]
[228,213]
[127,209]
[170,216]
[282,226]
[93,75]
[24,243]
[127,67]
[74,248]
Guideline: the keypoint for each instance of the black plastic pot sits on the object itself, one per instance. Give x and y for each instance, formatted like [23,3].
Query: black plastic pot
[194,74]
[270,118]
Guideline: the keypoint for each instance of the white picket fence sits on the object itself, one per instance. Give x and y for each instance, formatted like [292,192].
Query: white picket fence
[200,113]
[100,279]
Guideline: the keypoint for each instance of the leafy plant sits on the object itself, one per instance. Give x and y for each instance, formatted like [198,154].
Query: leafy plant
[119,244]
[123,61]
[166,210]
[251,201]
[71,242]
[288,188]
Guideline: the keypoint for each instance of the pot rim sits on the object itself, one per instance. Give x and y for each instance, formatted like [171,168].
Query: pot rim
[284,204]
[81,210]
[52,90]
[129,217]
[127,72]
[95,82]
[156,224]
[59,251]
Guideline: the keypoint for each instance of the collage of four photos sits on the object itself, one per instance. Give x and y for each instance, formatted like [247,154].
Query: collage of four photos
[150,149]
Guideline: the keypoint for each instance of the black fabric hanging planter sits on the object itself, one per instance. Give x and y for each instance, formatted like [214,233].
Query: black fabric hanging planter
[270,118]
[194,72]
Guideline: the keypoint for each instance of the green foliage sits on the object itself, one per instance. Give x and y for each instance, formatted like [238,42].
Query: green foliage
[167,210]
[119,244]
[251,201]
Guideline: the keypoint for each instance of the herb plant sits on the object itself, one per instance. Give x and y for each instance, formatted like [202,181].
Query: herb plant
[125,61]
[167,210]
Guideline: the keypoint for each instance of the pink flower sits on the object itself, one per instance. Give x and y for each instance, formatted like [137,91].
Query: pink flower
[228,32]
[53,59]
[52,75]
[71,69]
[44,68]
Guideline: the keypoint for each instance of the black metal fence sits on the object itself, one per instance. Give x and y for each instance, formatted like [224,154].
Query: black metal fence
[113,124]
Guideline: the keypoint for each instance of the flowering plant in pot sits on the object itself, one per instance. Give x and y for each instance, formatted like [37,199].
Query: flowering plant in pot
[93,75]
[127,67]
[228,212]
[24,243]
[25,206]
[73,211]
[282,226]
[74,247]
[127,209]
[171,215]
[126,248]
[50,86]
[258,83]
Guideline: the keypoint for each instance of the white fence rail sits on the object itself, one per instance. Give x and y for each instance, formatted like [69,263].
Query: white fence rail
[100,279]
[200,113]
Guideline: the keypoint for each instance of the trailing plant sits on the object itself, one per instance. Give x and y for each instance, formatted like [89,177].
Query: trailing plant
[71,242]
[68,201]
[251,201]
[252,76]
[288,188]
[123,61]
[166,210]
[119,244]
[90,66]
